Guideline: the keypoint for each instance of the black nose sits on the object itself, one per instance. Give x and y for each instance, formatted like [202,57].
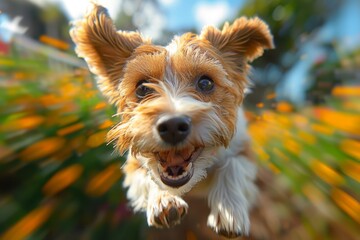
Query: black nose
[173,129]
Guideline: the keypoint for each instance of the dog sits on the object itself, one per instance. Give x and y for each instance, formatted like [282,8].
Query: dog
[182,123]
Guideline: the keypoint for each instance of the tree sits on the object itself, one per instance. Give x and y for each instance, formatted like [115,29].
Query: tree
[292,23]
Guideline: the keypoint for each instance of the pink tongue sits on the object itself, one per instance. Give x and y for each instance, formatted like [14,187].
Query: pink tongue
[174,159]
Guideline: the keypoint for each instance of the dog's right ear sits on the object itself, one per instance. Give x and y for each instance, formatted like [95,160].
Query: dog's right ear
[104,49]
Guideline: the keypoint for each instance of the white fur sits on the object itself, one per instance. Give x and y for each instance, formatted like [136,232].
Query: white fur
[230,198]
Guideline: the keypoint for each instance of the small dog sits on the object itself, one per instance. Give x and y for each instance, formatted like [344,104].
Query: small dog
[182,120]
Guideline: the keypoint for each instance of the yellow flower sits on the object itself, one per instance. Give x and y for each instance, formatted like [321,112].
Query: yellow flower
[42,148]
[96,139]
[343,121]
[28,224]
[103,181]
[62,179]
[326,173]
[346,91]
[106,124]
[351,147]
[28,122]
[292,146]
[284,107]
[100,106]
[274,168]
[352,169]
[70,129]
[271,96]
[260,105]
[322,129]
[307,137]
[54,42]
[347,203]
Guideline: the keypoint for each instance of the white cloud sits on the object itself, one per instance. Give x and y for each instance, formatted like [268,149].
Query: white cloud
[167,2]
[211,13]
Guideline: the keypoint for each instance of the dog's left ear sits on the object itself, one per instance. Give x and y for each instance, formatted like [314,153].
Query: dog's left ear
[105,50]
[245,39]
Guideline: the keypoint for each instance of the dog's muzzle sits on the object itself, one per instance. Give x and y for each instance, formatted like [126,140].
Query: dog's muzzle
[173,129]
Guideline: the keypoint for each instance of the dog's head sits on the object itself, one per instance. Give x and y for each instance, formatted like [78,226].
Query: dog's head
[178,104]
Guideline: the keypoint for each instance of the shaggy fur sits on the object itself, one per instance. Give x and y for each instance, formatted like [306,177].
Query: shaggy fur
[217,142]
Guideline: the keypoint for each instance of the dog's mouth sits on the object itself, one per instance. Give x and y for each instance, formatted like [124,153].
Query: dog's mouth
[176,166]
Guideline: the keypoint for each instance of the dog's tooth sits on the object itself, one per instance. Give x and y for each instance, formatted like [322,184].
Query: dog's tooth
[188,167]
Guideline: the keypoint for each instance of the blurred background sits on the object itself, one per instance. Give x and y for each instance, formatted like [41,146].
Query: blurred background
[60,180]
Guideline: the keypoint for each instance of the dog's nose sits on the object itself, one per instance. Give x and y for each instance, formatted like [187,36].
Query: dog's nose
[173,129]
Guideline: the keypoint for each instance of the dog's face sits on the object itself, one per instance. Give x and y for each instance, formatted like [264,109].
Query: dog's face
[178,104]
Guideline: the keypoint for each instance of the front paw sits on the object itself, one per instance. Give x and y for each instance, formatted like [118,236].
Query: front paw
[166,211]
[230,223]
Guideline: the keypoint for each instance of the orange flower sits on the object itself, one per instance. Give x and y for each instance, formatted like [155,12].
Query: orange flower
[271,96]
[62,179]
[347,203]
[100,106]
[300,120]
[103,181]
[351,147]
[70,129]
[96,139]
[20,75]
[292,146]
[307,137]
[326,173]
[346,91]
[260,105]
[28,224]
[343,121]
[54,42]
[322,129]
[50,100]
[274,168]
[284,107]
[28,122]
[352,169]
[106,124]
[42,148]
[350,105]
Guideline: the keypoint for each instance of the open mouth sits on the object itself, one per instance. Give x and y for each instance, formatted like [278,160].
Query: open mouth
[176,167]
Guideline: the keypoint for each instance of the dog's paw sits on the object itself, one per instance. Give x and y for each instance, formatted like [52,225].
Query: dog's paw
[229,223]
[166,211]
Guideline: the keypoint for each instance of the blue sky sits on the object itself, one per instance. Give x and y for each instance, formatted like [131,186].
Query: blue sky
[177,14]
[182,14]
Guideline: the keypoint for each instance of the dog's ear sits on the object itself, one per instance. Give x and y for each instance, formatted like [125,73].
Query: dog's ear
[104,49]
[244,39]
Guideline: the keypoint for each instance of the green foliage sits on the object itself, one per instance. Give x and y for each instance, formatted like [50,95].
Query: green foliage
[58,175]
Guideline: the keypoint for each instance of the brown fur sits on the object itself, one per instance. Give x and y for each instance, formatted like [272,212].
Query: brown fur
[123,59]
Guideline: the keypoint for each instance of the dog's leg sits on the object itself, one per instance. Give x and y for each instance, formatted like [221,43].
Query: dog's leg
[162,208]
[137,182]
[231,196]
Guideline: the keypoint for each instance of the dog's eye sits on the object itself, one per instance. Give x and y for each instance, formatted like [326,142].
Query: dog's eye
[205,84]
[142,90]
